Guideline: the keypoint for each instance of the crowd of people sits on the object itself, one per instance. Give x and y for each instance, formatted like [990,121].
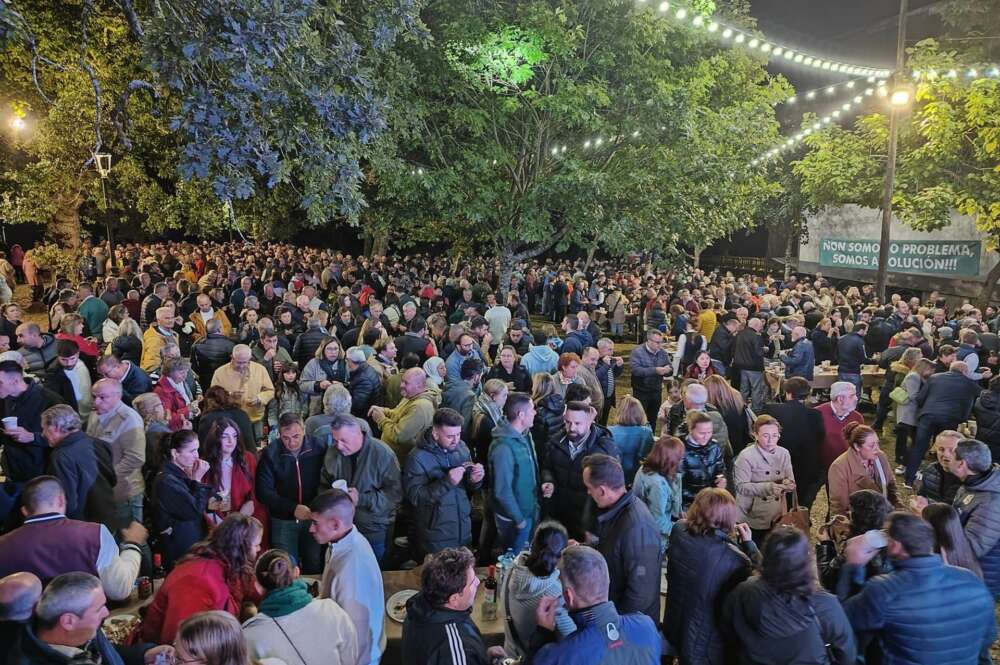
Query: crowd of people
[272,426]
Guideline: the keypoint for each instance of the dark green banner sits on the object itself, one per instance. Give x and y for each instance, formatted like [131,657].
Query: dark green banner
[956,258]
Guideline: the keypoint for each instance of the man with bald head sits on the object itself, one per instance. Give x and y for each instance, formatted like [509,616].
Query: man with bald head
[944,401]
[38,348]
[403,426]
[249,383]
[205,313]
[117,423]
[18,594]
[800,360]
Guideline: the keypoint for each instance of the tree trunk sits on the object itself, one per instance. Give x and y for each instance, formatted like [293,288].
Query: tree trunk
[697,256]
[380,244]
[590,257]
[789,247]
[986,294]
[367,237]
[506,270]
[65,226]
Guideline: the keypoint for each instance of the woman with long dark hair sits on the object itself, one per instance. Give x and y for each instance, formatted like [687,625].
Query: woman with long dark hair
[217,574]
[219,404]
[868,512]
[180,497]
[782,616]
[952,544]
[534,575]
[231,472]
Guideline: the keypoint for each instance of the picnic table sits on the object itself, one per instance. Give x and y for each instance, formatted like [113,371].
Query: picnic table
[824,377]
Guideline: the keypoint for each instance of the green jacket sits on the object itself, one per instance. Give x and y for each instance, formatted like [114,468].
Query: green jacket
[374,472]
[514,473]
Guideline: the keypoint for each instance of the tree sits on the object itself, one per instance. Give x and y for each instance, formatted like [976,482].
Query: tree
[593,123]
[949,153]
[785,213]
[267,108]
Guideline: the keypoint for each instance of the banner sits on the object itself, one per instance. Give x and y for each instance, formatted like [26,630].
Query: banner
[956,258]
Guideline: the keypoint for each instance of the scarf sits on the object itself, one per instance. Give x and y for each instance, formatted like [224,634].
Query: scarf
[280,602]
[180,388]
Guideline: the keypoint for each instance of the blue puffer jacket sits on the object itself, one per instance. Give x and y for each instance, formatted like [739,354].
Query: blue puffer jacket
[925,613]
[604,637]
[978,506]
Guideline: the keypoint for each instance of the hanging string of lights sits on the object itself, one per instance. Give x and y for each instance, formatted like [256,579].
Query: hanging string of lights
[772,48]
[972,73]
[841,112]
[828,90]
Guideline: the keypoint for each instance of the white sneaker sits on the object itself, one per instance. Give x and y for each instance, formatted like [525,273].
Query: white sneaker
[900,470]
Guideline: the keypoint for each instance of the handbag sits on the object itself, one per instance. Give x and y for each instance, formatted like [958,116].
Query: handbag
[798,516]
[899,395]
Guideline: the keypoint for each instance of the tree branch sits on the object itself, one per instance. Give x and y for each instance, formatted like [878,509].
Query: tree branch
[134,24]
[537,249]
[120,116]
[88,7]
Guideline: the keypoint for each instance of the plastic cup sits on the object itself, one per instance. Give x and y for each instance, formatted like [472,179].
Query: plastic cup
[10,423]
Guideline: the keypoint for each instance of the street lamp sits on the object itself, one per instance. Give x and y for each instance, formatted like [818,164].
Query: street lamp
[102,162]
[17,124]
[899,99]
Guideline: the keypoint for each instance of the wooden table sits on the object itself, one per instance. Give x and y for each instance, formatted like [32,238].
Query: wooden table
[823,378]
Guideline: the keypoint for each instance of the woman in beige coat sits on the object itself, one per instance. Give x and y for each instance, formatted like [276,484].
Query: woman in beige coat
[763,476]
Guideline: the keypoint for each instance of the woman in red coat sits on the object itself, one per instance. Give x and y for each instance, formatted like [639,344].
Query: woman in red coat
[174,393]
[216,575]
[71,327]
[231,472]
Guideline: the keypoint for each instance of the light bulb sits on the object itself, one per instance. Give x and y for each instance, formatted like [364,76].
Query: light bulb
[753,43]
[765,47]
[713,26]
[727,33]
[664,6]
[740,38]
[832,89]
[850,85]
[792,99]
[811,94]
[857,99]
[778,51]
[697,21]
[681,13]
[798,57]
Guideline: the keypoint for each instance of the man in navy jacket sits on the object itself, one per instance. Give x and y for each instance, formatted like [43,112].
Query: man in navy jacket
[923,612]
[603,635]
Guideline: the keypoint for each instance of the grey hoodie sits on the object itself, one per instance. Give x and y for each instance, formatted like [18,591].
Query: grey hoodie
[520,595]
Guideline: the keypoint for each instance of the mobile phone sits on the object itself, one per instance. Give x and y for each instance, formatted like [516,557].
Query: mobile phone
[876,539]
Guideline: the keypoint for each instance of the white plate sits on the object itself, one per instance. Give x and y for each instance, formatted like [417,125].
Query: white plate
[395,607]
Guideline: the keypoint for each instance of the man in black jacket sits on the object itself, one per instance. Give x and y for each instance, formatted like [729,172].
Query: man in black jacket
[83,466]
[414,340]
[882,330]
[748,359]
[439,629]
[945,400]
[851,355]
[23,443]
[362,382]
[802,433]
[628,537]
[288,478]
[210,352]
[70,379]
[720,348]
[562,468]
[307,343]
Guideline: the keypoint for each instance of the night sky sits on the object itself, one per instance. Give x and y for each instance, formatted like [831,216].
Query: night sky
[861,32]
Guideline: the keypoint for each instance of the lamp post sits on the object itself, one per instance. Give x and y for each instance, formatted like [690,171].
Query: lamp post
[899,99]
[102,161]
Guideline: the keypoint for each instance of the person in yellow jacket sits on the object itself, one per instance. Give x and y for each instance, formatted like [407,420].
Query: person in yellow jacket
[250,385]
[707,322]
[404,426]
[157,336]
[205,313]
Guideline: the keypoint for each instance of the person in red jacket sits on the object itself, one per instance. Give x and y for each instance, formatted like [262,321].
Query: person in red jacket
[216,575]
[836,413]
[231,472]
[174,393]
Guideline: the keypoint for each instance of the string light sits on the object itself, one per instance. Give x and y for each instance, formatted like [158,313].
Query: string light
[765,45]
[974,73]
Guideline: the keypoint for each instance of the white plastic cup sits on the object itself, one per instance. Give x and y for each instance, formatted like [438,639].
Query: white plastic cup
[10,423]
